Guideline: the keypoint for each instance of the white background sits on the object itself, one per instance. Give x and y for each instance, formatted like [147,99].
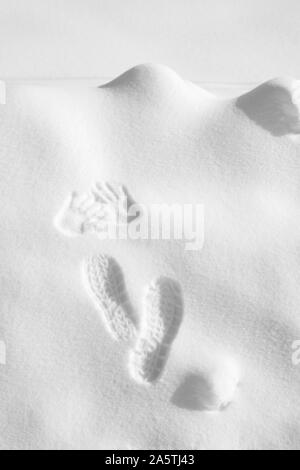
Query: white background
[204,40]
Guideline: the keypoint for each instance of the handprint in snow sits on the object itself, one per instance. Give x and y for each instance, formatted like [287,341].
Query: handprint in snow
[94,211]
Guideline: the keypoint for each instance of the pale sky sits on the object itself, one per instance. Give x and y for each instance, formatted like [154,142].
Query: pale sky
[203,40]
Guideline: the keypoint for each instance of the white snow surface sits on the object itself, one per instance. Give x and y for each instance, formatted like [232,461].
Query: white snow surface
[66,384]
